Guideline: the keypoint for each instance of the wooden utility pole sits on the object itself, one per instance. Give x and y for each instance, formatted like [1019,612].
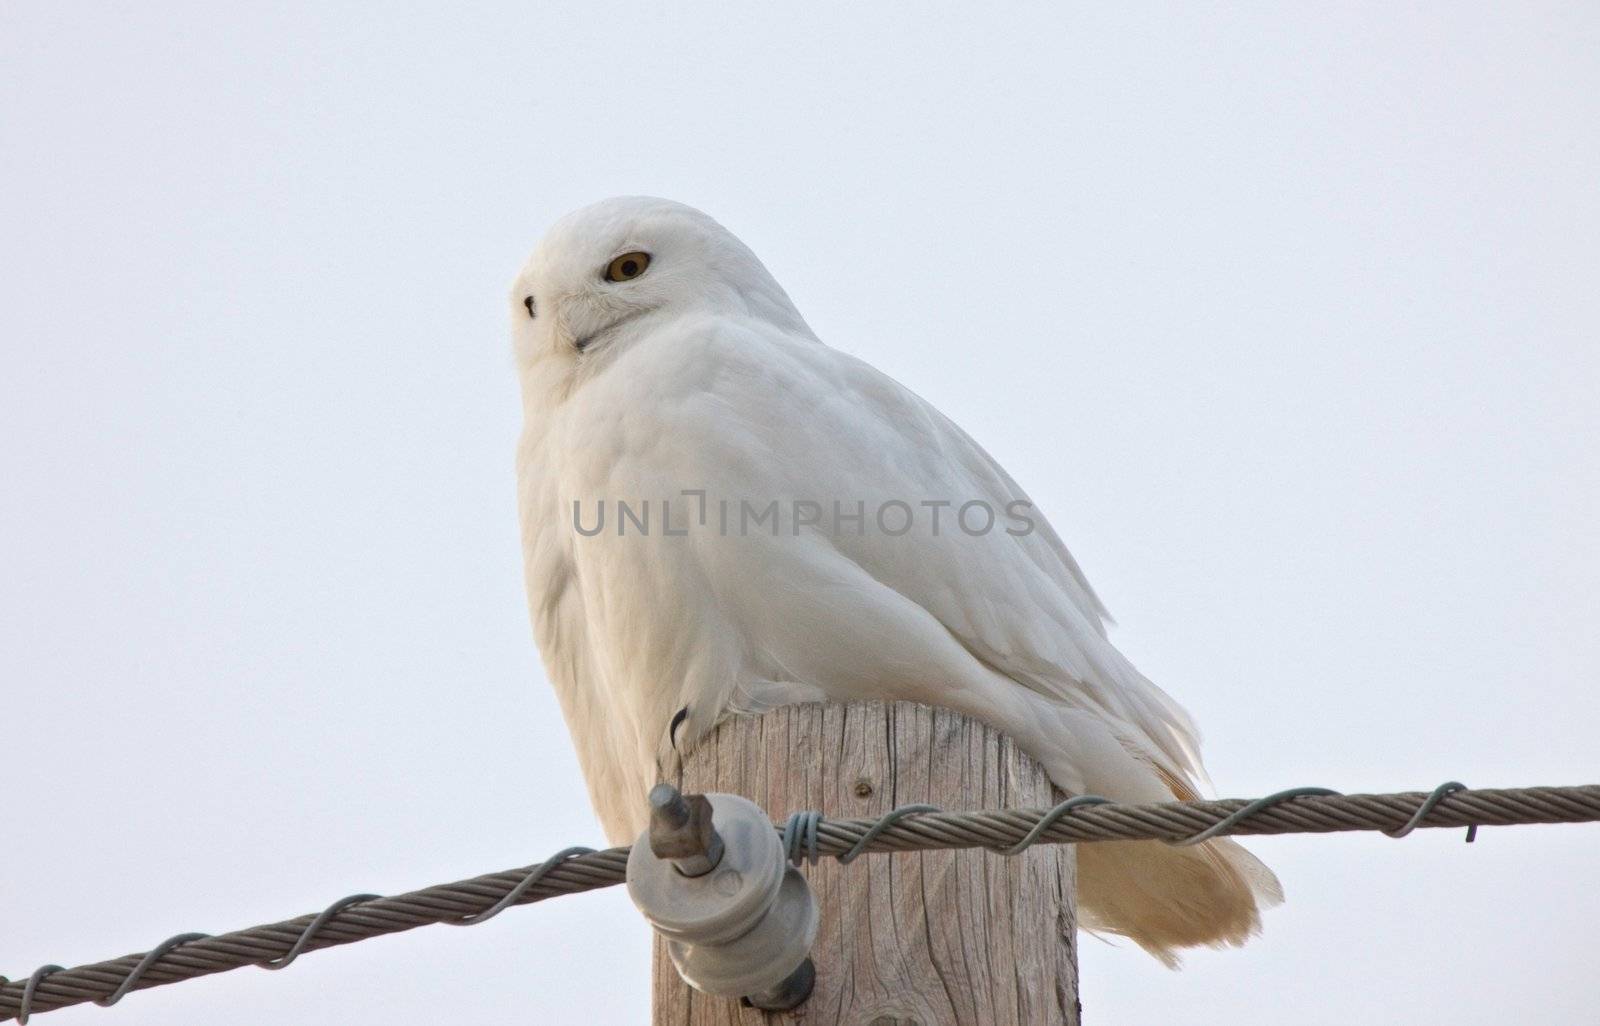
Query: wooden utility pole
[935,938]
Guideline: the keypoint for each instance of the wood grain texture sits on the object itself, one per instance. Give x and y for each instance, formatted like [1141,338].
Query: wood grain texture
[924,938]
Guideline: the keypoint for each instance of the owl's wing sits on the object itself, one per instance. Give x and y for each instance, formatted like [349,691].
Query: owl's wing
[1023,605]
[834,428]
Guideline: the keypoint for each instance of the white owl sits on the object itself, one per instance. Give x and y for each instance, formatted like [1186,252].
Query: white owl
[720,513]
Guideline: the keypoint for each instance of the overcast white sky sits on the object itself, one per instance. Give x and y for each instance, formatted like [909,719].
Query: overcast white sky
[1286,314]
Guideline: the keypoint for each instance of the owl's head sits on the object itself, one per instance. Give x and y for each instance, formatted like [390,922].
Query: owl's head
[605,275]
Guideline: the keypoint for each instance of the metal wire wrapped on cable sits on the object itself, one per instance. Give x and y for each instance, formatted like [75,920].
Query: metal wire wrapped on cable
[1082,819]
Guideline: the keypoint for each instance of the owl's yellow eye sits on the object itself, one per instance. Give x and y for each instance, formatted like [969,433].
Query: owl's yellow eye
[627,267]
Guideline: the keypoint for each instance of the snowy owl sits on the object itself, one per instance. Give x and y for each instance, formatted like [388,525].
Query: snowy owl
[720,513]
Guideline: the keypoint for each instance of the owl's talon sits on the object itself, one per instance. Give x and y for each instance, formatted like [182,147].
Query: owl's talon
[677,721]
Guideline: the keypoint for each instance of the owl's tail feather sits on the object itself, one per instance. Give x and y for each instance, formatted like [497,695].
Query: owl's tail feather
[1159,896]
[1164,898]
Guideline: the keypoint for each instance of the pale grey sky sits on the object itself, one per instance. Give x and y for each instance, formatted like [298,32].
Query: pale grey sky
[1286,314]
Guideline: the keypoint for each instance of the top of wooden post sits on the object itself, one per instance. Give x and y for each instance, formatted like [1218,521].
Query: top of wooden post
[931,938]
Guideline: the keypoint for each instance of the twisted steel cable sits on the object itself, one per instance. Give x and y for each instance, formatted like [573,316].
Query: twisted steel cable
[348,920]
[1082,819]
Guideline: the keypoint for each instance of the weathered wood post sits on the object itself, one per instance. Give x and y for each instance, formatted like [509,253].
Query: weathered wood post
[933,938]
